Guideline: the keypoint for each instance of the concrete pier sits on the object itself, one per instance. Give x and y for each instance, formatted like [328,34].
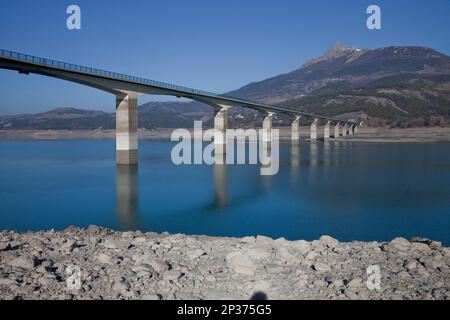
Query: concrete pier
[344,130]
[313,134]
[220,126]
[126,129]
[295,129]
[326,131]
[267,125]
[336,130]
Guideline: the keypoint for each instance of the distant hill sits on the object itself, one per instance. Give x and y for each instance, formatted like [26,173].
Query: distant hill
[401,86]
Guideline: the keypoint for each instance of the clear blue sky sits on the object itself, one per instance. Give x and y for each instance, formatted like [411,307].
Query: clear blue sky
[206,44]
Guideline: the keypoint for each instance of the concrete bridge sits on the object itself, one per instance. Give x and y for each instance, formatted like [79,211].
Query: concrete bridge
[127,88]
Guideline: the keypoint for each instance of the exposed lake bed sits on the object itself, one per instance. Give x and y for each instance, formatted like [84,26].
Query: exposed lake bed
[365,134]
[136,265]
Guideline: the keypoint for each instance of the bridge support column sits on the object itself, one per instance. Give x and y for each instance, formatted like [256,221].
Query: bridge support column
[326,131]
[350,130]
[344,130]
[295,129]
[220,127]
[126,129]
[267,127]
[355,129]
[336,131]
[313,133]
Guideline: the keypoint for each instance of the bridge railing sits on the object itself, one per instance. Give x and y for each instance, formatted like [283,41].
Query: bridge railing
[98,72]
[118,76]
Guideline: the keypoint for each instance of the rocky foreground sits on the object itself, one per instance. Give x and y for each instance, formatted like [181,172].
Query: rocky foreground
[136,265]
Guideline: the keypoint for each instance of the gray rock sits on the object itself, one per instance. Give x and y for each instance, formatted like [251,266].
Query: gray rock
[321,267]
[4,246]
[354,283]
[411,265]
[104,258]
[157,264]
[151,297]
[247,240]
[264,240]
[171,275]
[116,244]
[120,285]
[23,261]
[287,254]
[69,245]
[329,241]
[400,244]
[258,254]
[194,254]
[436,245]
[240,263]
[302,246]
[311,256]
[142,268]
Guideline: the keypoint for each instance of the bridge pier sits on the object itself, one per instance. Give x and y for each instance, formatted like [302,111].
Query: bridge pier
[355,129]
[344,130]
[326,131]
[220,129]
[295,129]
[336,130]
[267,130]
[126,129]
[313,129]
[350,130]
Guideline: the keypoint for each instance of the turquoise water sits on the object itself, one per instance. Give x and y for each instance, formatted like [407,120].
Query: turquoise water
[351,191]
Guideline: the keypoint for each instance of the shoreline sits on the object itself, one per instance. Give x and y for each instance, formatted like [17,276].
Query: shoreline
[365,134]
[137,265]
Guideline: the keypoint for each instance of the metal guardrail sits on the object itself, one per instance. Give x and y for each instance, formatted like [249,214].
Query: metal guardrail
[162,85]
[98,72]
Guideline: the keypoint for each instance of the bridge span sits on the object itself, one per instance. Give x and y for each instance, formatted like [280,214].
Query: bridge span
[127,88]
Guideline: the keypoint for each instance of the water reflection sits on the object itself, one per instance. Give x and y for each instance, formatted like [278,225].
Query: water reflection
[127,196]
[326,154]
[220,182]
[313,154]
[295,162]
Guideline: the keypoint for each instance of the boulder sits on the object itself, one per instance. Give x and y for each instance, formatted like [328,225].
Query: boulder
[240,263]
[400,244]
[329,241]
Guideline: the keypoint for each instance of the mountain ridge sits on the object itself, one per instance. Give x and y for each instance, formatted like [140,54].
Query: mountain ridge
[396,85]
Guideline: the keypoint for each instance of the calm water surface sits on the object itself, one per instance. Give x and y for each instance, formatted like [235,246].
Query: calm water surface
[351,191]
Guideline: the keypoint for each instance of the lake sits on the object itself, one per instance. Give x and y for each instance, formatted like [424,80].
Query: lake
[351,191]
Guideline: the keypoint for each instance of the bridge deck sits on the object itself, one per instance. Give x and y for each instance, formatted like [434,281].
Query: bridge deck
[171,89]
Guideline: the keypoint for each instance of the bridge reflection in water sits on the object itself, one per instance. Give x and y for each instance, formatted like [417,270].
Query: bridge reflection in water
[127,197]
[320,158]
[220,181]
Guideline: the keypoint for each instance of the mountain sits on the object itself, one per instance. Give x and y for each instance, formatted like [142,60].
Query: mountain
[401,86]
[342,68]
[395,85]
[61,118]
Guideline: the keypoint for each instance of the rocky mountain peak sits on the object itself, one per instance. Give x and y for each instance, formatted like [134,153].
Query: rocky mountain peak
[337,50]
